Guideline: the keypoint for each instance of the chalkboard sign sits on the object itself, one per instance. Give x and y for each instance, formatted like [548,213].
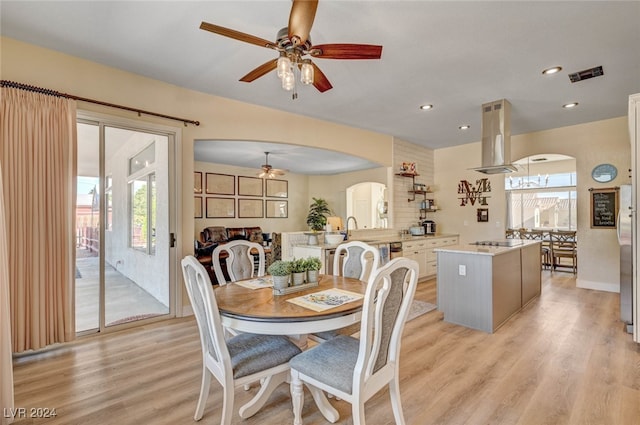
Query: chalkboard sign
[604,207]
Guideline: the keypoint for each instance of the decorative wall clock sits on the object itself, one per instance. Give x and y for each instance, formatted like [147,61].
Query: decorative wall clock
[604,173]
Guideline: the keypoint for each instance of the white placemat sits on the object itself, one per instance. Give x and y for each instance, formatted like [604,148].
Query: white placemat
[325,300]
[257,283]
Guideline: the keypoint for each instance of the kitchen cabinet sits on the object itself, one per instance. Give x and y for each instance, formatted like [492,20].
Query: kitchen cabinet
[422,251]
[417,250]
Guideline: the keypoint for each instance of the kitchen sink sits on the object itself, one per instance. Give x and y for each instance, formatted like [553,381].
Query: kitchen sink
[370,241]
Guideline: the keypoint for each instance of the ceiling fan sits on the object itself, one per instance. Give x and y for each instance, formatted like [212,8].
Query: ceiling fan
[267,171]
[294,44]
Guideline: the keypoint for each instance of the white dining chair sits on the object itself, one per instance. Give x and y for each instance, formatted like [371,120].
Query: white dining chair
[359,261]
[239,262]
[356,369]
[238,361]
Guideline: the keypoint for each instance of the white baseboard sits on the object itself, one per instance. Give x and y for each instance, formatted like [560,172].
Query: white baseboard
[598,286]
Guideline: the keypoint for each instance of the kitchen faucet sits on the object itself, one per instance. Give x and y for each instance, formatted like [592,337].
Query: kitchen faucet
[355,222]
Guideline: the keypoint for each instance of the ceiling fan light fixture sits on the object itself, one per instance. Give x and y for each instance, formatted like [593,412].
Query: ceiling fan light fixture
[288,81]
[284,65]
[306,74]
[267,171]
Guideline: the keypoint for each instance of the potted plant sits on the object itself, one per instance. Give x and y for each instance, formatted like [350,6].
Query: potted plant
[313,266]
[280,270]
[317,218]
[298,271]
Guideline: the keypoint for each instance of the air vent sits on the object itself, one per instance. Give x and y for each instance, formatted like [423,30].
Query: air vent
[586,74]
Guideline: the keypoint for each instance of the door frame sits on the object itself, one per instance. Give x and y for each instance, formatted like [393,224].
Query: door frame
[175,213]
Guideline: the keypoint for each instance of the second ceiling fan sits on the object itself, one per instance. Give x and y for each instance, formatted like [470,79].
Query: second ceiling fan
[294,45]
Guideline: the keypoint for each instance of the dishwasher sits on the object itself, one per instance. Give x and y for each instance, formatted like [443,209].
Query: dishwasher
[395,250]
[329,255]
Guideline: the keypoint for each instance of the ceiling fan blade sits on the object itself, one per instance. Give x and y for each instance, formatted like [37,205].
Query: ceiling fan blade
[260,71]
[303,12]
[346,51]
[320,81]
[237,35]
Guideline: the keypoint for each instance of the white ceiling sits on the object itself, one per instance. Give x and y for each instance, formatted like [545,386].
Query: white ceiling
[452,54]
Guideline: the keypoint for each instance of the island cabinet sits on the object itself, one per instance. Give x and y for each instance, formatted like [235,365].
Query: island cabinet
[481,287]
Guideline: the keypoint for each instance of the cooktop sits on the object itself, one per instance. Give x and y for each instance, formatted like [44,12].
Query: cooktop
[503,242]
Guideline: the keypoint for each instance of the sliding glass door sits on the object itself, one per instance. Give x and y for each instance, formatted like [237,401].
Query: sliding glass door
[123,225]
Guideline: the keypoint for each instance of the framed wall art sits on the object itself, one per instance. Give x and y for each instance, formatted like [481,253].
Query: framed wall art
[249,186]
[250,208]
[276,208]
[197,207]
[277,188]
[220,184]
[197,182]
[604,207]
[483,214]
[221,207]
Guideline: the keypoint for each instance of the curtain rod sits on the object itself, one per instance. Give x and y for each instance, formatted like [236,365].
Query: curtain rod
[13,84]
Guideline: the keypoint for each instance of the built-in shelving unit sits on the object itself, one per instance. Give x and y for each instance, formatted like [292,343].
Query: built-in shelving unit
[413,192]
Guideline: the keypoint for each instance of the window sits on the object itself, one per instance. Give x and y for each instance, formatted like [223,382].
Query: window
[142,201]
[143,159]
[552,206]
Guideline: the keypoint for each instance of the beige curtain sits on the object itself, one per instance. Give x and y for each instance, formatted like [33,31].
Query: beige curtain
[6,366]
[38,159]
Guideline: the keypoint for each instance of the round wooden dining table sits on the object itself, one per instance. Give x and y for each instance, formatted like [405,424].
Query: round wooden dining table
[260,311]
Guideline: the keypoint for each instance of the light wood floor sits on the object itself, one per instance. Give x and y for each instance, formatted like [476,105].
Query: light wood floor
[564,360]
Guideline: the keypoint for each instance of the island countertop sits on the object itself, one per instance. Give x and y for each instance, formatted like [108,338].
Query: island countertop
[487,249]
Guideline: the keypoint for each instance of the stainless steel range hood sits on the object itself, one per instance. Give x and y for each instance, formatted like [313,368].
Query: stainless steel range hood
[496,138]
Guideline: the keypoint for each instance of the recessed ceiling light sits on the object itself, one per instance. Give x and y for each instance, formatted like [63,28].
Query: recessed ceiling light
[426,107]
[464,127]
[570,105]
[552,70]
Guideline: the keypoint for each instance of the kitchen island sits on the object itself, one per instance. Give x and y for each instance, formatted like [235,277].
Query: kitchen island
[481,286]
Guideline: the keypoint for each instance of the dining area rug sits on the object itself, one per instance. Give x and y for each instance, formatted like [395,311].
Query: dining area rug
[418,308]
